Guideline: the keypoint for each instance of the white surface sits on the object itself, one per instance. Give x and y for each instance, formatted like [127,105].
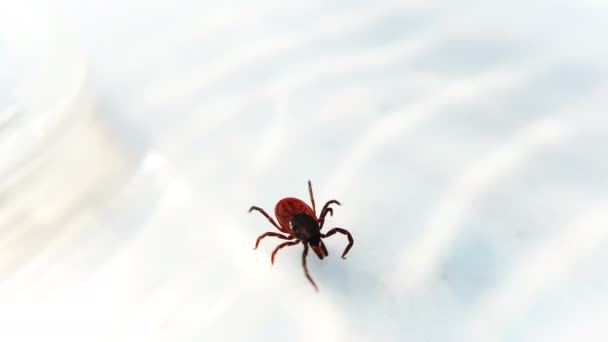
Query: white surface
[465,140]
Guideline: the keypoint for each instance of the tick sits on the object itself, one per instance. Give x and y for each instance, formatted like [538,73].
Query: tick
[300,223]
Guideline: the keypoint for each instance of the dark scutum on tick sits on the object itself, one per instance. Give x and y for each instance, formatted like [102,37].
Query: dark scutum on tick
[300,223]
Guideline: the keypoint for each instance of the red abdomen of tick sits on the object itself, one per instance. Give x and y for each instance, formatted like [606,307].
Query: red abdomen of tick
[289,207]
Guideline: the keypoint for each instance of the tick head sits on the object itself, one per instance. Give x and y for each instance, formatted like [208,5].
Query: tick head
[319,248]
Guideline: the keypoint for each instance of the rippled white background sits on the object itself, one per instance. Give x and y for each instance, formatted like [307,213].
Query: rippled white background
[465,139]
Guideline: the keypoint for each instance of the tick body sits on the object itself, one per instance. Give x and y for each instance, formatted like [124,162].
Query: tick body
[299,223]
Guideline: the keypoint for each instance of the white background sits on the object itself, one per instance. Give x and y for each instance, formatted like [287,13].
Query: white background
[465,139]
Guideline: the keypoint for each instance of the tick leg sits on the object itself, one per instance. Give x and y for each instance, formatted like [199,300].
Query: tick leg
[341,231]
[306,268]
[280,236]
[329,211]
[284,244]
[326,209]
[265,215]
[312,198]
